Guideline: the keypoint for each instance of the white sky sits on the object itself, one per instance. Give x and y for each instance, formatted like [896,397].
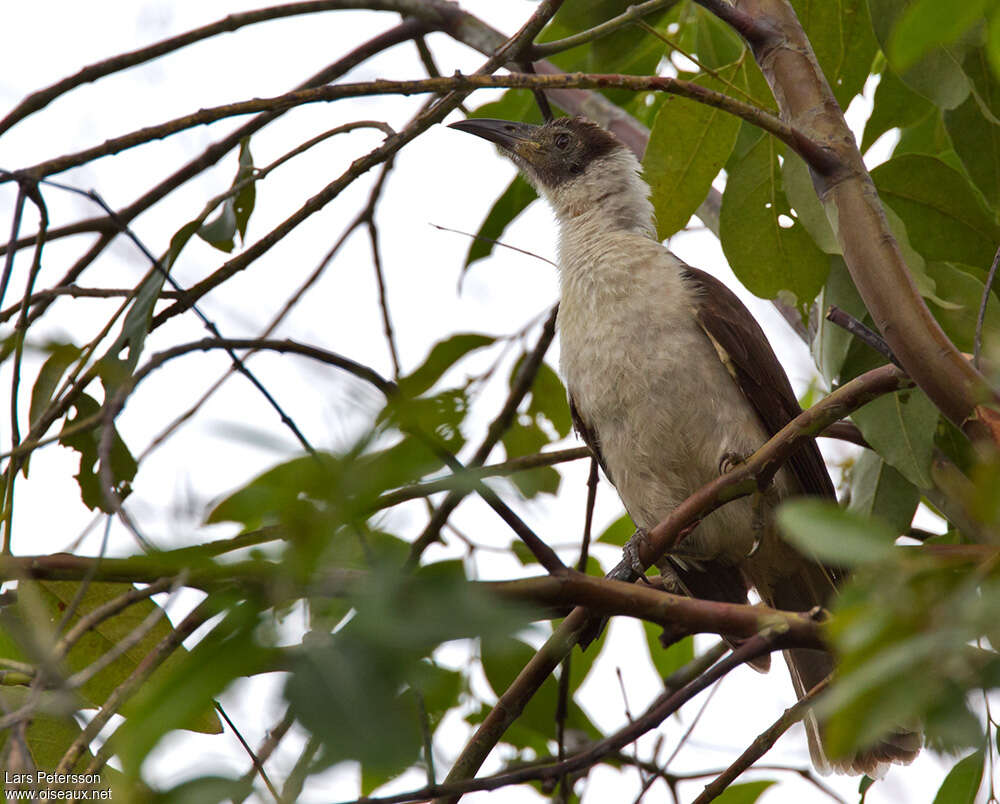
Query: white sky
[433,183]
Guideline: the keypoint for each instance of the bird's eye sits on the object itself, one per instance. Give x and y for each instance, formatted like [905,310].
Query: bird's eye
[562,140]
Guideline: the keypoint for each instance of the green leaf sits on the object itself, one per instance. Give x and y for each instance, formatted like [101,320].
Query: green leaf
[236,209]
[56,596]
[86,442]
[895,106]
[841,36]
[974,127]
[549,400]
[174,697]
[798,187]
[879,490]
[667,660]
[831,344]
[618,532]
[944,218]
[502,661]
[766,256]
[689,144]
[830,533]
[715,42]
[926,25]
[938,75]
[349,688]
[48,735]
[746,793]
[900,427]
[527,438]
[61,357]
[959,286]
[963,780]
[442,357]
[205,790]
[511,203]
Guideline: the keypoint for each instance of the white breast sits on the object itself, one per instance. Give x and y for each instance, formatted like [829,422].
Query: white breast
[646,378]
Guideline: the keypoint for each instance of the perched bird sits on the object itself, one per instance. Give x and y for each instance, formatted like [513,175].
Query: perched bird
[671,382]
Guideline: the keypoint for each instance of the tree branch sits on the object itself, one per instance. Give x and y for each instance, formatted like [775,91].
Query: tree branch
[845,187]
[455,83]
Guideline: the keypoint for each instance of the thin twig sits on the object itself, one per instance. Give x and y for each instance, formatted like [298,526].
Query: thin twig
[761,745]
[981,317]
[864,334]
[257,762]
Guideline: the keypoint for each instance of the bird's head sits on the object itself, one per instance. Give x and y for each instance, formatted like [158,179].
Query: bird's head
[571,161]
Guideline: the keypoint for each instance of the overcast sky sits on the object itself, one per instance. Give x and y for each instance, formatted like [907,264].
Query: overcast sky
[444,178]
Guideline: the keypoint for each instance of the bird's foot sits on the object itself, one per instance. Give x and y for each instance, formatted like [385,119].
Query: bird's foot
[632,549]
[729,461]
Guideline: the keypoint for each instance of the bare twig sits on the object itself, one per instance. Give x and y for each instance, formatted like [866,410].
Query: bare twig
[814,156]
[844,319]
[981,317]
[761,745]
[258,764]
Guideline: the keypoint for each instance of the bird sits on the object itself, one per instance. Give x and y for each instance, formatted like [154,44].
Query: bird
[671,381]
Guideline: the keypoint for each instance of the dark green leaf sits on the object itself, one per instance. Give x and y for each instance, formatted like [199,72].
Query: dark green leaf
[766,256]
[716,44]
[900,427]
[689,144]
[944,218]
[895,106]
[236,208]
[61,356]
[801,194]
[527,439]
[442,357]
[863,787]
[667,660]
[879,490]
[548,399]
[974,127]
[959,286]
[86,442]
[502,661]
[963,780]
[511,203]
[841,37]
[246,196]
[832,534]
[746,793]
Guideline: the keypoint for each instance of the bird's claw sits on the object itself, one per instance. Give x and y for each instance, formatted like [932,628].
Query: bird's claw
[632,548]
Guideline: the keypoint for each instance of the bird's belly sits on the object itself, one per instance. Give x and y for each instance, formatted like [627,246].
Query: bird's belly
[665,416]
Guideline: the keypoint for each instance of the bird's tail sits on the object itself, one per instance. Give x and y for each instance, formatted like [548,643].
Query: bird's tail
[810,585]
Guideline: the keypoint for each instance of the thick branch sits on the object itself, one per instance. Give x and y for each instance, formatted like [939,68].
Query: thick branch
[678,614]
[871,252]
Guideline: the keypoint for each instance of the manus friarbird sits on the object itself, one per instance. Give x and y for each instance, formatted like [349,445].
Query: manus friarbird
[670,382]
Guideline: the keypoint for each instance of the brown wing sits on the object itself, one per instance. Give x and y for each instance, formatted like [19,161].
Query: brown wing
[757,371]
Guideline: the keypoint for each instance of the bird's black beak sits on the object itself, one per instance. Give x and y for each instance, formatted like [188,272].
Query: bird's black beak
[518,138]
